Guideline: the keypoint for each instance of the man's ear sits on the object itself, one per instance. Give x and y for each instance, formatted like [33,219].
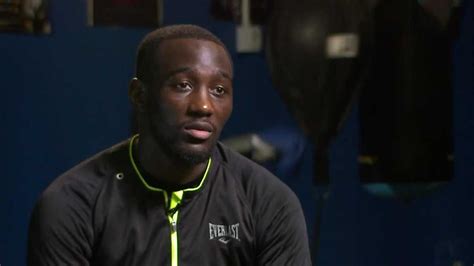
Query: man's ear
[137,94]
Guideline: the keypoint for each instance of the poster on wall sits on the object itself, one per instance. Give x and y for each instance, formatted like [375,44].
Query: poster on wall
[125,13]
[24,16]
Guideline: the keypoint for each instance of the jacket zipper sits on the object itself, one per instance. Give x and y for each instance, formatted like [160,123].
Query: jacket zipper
[172,213]
[174,201]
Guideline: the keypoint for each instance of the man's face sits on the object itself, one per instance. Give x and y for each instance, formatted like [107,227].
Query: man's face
[191,99]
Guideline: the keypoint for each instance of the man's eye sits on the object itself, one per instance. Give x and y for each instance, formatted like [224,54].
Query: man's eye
[218,90]
[183,86]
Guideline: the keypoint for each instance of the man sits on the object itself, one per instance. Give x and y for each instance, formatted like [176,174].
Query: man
[171,195]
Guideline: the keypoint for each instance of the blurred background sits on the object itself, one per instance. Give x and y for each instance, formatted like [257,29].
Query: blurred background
[64,76]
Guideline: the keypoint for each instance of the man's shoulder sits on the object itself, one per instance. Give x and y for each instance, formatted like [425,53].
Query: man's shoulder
[242,166]
[86,178]
[257,181]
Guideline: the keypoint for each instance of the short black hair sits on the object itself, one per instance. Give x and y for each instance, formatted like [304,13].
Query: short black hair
[145,61]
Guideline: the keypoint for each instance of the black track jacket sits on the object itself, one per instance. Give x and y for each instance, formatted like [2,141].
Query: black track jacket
[103,212]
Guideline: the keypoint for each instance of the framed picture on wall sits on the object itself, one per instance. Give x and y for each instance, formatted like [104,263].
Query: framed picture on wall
[24,16]
[127,13]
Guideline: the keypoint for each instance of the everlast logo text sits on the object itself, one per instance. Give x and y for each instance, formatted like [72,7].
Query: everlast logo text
[224,233]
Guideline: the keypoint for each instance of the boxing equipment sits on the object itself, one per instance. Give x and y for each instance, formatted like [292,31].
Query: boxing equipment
[317,51]
[405,108]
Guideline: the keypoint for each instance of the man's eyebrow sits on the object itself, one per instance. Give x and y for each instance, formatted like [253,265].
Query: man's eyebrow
[176,71]
[225,75]
[189,69]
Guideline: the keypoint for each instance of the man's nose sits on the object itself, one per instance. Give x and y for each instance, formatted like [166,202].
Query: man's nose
[200,103]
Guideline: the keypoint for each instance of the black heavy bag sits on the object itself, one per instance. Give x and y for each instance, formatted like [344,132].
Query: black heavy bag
[317,50]
[232,10]
[406,108]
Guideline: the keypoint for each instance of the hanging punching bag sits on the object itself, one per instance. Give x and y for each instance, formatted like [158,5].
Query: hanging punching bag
[317,53]
[406,107]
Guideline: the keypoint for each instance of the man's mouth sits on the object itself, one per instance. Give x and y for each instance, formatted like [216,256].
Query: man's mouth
[199,130]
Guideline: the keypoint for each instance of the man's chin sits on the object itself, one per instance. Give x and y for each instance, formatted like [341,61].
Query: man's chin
[182,150]
[194,154]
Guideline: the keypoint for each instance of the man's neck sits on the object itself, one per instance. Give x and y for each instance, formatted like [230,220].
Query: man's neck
[164,168]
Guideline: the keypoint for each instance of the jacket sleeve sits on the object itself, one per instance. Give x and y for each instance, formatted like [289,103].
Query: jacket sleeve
[60,231]
[282,235]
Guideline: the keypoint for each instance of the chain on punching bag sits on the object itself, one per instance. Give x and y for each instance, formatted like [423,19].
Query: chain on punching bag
[406,108]
[316,50]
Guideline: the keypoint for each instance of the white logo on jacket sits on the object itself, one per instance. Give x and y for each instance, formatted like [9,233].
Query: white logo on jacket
[224,233]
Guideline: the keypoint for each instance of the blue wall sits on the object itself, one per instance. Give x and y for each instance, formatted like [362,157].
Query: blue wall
[65,98]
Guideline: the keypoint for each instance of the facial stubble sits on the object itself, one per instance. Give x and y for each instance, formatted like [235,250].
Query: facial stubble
[174,146]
